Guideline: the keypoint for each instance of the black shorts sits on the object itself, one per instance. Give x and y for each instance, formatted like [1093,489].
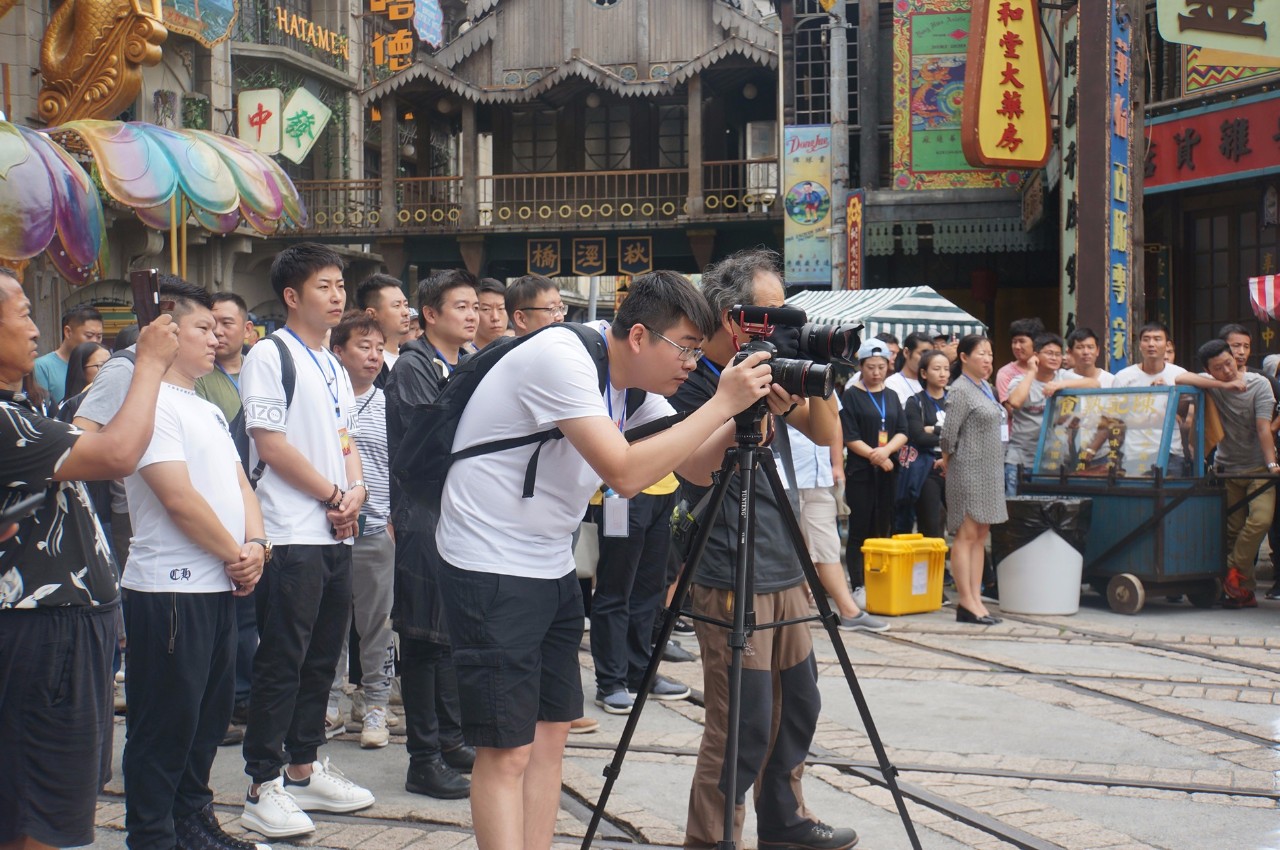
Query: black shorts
[56,718]
[515,646]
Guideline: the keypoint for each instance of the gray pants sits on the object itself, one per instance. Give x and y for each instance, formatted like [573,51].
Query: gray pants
[373,561]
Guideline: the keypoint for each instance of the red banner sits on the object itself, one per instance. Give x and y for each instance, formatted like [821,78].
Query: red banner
[1237,141]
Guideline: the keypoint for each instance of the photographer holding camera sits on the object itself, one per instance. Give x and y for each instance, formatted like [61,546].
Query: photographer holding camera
[774,734]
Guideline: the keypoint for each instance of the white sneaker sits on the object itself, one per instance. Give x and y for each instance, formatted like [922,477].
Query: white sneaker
[860,597]
[373,733]
[327,790]
[334,723]
[275,813]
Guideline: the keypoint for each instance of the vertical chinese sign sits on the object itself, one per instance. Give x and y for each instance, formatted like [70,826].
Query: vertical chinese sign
[588,257]
[542,256]
[393,50]
[1005,121]
[635,255]
[853,223]
[1120,241]
[930,43]
[807,174]
[1069,193]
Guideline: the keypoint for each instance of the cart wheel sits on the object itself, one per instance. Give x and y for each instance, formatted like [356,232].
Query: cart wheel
[1125,594]
[1208,594]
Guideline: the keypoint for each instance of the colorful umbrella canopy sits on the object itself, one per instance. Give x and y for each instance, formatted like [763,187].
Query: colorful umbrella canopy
[48,203]
[163,174]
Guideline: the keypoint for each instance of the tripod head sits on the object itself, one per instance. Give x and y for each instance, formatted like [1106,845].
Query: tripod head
[748,423]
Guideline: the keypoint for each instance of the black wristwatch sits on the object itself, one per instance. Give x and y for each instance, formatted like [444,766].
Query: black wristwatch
[266,549]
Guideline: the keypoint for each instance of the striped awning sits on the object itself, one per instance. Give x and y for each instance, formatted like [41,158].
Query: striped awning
[897,311]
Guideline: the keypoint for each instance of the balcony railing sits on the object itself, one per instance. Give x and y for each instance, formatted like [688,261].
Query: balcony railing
[733,189]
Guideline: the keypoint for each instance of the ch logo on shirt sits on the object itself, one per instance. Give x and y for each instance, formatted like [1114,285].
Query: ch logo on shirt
[183,574]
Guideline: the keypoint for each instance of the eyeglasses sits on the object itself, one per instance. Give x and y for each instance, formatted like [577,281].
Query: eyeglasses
[558,310]
[686,353]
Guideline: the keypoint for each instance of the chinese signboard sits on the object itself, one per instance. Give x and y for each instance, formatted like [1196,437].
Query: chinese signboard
[635,255]
[853,221]
[1069,195]
[1235,25]
[207,21]
[394,50]
[930,42]
[1120,229]
[1096,433]
[258,119]
[308,32]
[302,120]
[1227,141]
[806,169]
[542,256]
[588,257]
[1005,121]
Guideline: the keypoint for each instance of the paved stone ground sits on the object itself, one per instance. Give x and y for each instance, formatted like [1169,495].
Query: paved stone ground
[1090,732]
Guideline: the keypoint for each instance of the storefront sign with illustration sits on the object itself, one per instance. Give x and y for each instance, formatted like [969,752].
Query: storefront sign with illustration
[1242,26]
[589,257]
[428,20]
[207,21]
[304,117]
[1232,140]
[542,256]
[309,32]
[635,255]
[1005,121]
[806,169]
[259,123]
[1098,433]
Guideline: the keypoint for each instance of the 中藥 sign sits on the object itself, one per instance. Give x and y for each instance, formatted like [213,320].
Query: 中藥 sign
[1005,121]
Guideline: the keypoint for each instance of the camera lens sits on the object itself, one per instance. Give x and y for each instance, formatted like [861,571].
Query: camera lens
[803,377]
[829,342]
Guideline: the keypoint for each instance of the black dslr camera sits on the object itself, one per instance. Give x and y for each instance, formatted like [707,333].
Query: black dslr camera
[786,334]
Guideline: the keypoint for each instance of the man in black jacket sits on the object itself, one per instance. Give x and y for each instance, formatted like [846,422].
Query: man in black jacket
[448,309]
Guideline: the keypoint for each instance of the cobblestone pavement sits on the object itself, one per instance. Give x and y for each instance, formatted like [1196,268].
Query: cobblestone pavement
[1086,732]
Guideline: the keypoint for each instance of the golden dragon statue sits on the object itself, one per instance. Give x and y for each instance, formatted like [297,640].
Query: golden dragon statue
[93,54]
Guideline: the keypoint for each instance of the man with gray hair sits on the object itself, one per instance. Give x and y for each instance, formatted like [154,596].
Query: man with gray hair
[779,674]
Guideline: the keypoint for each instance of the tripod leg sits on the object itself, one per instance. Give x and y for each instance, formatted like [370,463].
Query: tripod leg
[669,617]
[829,621]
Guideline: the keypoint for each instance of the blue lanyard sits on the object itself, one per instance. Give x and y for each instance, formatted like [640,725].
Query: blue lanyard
[937,407]
[608,387]
[230,377]
[448,367]
[986,390]
[881,406]
[330,381]
[710,365]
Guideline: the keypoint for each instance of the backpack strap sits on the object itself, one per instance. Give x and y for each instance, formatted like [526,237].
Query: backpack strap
[289,381]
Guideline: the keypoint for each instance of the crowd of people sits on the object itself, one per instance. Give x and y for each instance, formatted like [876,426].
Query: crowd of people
[224,508]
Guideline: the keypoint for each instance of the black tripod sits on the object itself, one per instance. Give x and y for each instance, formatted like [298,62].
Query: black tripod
[746,456]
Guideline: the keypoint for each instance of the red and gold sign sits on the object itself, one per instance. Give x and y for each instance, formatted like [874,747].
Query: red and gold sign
[1005,121]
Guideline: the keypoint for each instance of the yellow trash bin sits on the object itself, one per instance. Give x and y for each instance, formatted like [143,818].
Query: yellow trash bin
[904,574]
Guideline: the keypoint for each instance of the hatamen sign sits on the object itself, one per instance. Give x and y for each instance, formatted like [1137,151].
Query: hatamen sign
[313,34]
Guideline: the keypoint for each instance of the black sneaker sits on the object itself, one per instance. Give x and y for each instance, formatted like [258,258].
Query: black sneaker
[461,758]
[201,831]
[817,836]
[433,778]
[683,627]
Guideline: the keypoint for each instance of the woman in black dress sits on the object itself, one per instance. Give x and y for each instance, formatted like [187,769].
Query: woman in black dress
[874,429]
[926,413]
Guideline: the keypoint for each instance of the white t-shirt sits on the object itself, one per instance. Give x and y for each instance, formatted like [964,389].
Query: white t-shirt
[323,405]
[162,559]
[1141,436]
[485,524]
[390,358]
[903,386]
[1105,379]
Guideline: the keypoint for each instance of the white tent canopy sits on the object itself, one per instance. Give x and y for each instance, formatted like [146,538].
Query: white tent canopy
[897,311]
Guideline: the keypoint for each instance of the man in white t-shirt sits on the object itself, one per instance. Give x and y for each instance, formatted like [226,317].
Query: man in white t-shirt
[1153,371]
[906,381]
[515,607]
[1082,344]
[198,541]
[311,494]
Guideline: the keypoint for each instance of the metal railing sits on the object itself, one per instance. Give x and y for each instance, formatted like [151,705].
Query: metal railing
[733,188]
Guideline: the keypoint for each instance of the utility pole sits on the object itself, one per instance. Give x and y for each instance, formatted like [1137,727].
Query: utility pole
[839,43]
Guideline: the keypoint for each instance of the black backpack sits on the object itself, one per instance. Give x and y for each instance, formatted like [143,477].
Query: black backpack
[240,435]
[422,462]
